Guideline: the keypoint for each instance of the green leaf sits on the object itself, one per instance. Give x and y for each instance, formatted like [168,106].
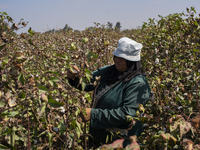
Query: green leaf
[196,23]
[107,138]
[83,84]
[9,19]
[77,112]
[1,46]
[5,13]
[87,96]
[79,126]
[91,55]
[193,9]
[188,10]
[5,131]
[54,103]
[22,95]
[2,104]
[43,133]
[196,50]
[73,46]
[71,137]
[78,132]
[43,89]
[88,74]
[13,136]
[42,110]
[52,83]
[30,42]
[62,127]
[24,139]
[31,32]
[65,57]
[13,113]
[21,128]
[50,135]
[78,129]
[55,79]
[50,71]
[3,146]
[5,61]
[9,114]
[21,78]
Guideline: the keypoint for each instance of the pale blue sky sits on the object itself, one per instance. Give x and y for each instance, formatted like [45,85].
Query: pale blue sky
[43,15]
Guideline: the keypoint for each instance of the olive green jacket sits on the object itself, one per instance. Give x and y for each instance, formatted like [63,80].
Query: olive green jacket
[112,107]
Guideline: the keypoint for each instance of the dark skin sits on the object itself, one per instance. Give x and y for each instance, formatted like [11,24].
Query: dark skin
[120,66]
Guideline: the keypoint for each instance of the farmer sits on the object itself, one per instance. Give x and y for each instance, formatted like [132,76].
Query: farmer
[121,88]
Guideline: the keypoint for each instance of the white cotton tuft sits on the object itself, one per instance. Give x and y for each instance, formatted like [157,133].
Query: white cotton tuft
[157,61]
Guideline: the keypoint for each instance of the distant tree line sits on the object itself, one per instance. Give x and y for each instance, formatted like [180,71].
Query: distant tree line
[109,25]
[117,26]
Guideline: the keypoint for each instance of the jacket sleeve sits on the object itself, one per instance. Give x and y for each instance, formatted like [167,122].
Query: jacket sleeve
[88,87]
[134,94]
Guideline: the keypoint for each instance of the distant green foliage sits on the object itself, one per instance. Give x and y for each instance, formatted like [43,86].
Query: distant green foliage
[118,26]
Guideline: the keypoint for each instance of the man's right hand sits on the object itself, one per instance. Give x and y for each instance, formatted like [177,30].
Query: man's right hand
[73,73]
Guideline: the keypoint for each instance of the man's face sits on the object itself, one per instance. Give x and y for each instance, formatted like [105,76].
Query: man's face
[120,64]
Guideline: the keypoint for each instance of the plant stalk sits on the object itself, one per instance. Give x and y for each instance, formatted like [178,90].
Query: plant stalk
[85,139]
[29,142]
[197,98]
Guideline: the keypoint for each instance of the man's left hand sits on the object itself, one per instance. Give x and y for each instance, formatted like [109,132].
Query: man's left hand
[86,117]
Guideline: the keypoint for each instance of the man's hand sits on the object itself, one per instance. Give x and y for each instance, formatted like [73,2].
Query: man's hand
[73,74]
[87,117]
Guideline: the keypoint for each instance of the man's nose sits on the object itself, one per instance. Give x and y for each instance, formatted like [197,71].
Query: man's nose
[118,60]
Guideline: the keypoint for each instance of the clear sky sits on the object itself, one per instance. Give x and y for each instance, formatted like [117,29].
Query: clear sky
[44,15]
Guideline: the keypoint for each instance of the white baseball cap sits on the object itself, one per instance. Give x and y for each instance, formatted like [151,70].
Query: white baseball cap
[128,49]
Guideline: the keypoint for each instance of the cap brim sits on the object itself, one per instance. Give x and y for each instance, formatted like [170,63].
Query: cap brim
[125,56]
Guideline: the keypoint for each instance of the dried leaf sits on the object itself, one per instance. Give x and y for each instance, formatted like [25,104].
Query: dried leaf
[12,102]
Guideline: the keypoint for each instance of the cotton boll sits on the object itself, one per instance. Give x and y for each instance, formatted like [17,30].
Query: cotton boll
[62,109]
[145,125]
[180,107]
[156,50]
[157,61]
[57,117]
